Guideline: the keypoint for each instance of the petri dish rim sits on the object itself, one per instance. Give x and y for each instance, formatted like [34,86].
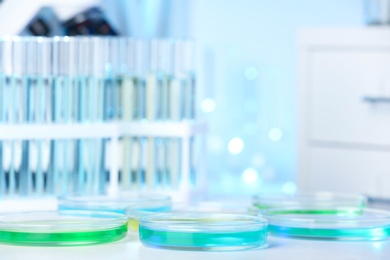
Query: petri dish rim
[345,215]
[138,212]
[319,198]
[210,222]
[104,220]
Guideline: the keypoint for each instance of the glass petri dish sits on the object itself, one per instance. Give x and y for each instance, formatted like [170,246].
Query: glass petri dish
[62,228]
[207,232]
[309,199]
[115,203]
[329,223]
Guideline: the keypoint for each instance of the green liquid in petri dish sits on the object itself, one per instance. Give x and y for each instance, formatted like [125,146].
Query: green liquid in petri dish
[336,212]
[63,238]
[203,240]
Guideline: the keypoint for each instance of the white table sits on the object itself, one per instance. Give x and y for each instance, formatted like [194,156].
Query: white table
[279,248]
[130,248]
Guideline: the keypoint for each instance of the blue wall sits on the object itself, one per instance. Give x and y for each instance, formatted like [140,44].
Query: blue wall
[247,64]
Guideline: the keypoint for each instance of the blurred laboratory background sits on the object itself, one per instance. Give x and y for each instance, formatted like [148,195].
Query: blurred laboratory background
[271,98]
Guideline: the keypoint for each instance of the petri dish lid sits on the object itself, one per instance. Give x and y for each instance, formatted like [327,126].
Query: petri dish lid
[218,207]
[203,207]
[203,231]
[62,228]
[135,213]
[115,203]
[309,199]
[200,222]
[345,223]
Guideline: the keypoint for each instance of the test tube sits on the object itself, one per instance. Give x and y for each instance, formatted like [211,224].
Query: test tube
[111,95]
[128,109]
[68,53]
[61,101]
[108,56]
[164,78]
[190,84]
[114,65]
[55,104]
[151,102]
[92,83]
[96,88]
[139,150]
[72,111]
[43,108]
[83,54]
[20,175]
[190,97]
[2,117]
[121,68]
[176,112]
[33,95]
[5,71]
[64,110]
[31,98]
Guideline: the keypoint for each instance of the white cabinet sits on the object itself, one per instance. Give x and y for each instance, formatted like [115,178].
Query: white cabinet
[349,170]
[339,82]
[344,110]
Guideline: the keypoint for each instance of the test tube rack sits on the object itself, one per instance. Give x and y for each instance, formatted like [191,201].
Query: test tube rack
[97,114]
[113,131]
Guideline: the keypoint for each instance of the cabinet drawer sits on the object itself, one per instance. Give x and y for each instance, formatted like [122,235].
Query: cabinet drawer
[339,79]
[347,170]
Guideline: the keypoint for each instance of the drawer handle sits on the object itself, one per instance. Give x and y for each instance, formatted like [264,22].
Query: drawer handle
[374,99]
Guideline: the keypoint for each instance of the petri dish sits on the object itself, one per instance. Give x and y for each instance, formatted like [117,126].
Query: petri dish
[115,203]
[62,228]
[204,232]
[329,223]
[309,199]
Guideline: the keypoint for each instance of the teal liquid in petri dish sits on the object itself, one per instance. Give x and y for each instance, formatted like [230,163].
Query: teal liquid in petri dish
[371,233]
[63,238]
[345,224]
[339,212]
[203,240]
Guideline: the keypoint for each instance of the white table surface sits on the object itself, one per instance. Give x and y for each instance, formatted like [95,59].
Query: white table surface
[278,248]
[130,248]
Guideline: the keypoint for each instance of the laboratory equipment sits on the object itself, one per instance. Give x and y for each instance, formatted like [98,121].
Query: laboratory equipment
[89,22]
[62,228]
[91,115]
[197,231]
[377,12]
[44,17]
[336,223]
